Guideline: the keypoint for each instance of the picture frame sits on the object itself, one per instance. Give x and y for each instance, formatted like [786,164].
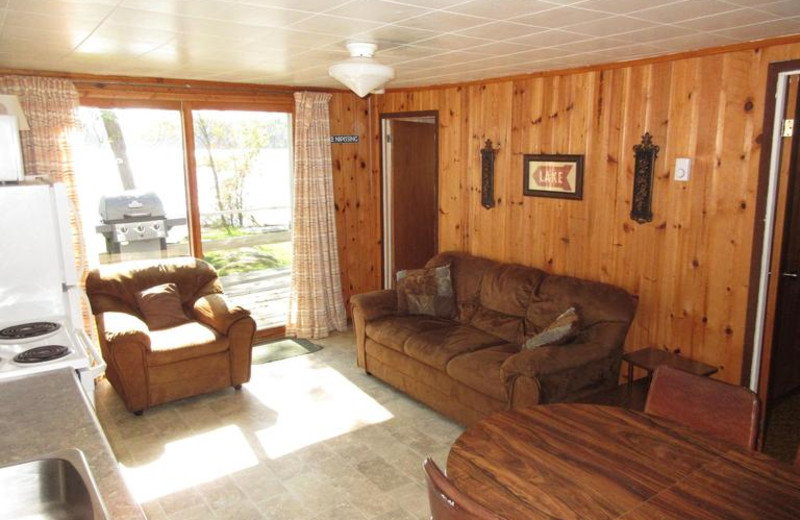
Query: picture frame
[555,176]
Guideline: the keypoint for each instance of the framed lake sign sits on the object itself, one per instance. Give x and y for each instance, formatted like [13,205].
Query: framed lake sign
[559,176]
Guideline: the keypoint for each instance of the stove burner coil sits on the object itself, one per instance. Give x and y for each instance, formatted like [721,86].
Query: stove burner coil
[41,354]
[29,330]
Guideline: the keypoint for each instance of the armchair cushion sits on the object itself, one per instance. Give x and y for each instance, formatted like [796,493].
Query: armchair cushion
[161,306]
[185,341]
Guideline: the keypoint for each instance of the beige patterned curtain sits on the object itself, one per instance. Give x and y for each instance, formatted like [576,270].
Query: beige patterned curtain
[50,106]
[316,305]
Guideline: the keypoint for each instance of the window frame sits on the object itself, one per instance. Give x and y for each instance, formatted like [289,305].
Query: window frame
[185,98]
[185,109]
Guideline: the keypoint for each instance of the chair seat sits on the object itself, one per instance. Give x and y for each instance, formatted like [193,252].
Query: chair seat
[186,341]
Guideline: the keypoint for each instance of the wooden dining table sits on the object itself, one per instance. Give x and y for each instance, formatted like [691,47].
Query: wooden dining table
[582,461]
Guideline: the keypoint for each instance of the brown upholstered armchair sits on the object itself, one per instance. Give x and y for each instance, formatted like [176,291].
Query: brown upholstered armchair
[167,331]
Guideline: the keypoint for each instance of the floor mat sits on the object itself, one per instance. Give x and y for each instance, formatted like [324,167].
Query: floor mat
[277,349]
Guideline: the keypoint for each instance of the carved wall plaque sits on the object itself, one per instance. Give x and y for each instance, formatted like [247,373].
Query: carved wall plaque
[641,205]
[487,175]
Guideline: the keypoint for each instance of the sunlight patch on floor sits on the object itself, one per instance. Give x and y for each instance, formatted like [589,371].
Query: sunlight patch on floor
[189,462]
[313,404]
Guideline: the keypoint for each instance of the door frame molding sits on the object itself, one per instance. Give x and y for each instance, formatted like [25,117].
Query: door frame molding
[386,226]
[757,348]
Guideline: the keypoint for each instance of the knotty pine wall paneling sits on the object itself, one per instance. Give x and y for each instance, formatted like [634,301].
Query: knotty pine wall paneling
[357,193]
[690,266]
[489,110]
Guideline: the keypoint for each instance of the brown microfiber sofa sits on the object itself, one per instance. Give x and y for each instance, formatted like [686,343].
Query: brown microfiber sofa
[147,367]
[473,365]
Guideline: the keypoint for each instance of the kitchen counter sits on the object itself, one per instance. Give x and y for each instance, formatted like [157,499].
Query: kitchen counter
[47,412]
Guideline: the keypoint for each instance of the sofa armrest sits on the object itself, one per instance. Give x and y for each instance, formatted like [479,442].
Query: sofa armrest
[121,327]
[549,360]
[216,311]
[561,372]
[366,307]
[375,304]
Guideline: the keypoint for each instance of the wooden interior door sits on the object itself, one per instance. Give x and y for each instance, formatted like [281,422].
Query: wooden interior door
[413,191]
[785,359]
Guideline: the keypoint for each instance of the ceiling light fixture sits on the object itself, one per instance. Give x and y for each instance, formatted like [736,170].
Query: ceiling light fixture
[360,73]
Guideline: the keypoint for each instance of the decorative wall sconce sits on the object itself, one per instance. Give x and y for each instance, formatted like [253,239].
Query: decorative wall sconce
[641,205]
[487,174]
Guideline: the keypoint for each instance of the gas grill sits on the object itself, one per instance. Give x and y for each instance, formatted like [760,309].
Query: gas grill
[135,221]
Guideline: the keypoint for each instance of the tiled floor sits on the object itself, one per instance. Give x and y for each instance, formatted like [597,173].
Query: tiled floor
[311,437]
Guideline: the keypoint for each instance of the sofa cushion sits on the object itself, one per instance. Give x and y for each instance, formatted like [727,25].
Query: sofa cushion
[426,291]
[508,288]
[186,341]
[480,370]
[564,328]
[595,301]
[466,271]
[437,347]
[161,306]
[506,291]
[393,331]
[510,328]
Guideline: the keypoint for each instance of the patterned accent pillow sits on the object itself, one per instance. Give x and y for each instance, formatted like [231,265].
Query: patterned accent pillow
[561,330]
[426,291]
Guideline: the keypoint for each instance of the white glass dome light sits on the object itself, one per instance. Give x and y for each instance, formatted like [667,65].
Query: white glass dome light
[360,73]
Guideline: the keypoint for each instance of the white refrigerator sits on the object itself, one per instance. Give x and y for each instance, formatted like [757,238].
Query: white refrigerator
[39,282]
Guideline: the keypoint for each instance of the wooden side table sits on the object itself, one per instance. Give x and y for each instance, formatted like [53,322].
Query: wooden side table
[633,394]
[651,358]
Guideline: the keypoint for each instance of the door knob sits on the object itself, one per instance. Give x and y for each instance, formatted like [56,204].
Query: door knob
[791,275]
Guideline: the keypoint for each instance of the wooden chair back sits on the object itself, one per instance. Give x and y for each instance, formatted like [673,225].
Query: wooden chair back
[447,501]
[723,410]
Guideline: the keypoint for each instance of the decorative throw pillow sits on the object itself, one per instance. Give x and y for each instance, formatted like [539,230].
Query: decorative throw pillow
[161,306]
[426,291]
[561,330]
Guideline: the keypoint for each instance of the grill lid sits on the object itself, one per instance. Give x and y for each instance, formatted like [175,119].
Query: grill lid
[130,205]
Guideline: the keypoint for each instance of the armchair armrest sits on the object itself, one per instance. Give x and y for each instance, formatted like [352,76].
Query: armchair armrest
[125,344]
[365,308]
[560,372]
[123,327]
[216,311]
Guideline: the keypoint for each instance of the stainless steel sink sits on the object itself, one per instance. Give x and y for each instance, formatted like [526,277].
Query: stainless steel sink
[57,486]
